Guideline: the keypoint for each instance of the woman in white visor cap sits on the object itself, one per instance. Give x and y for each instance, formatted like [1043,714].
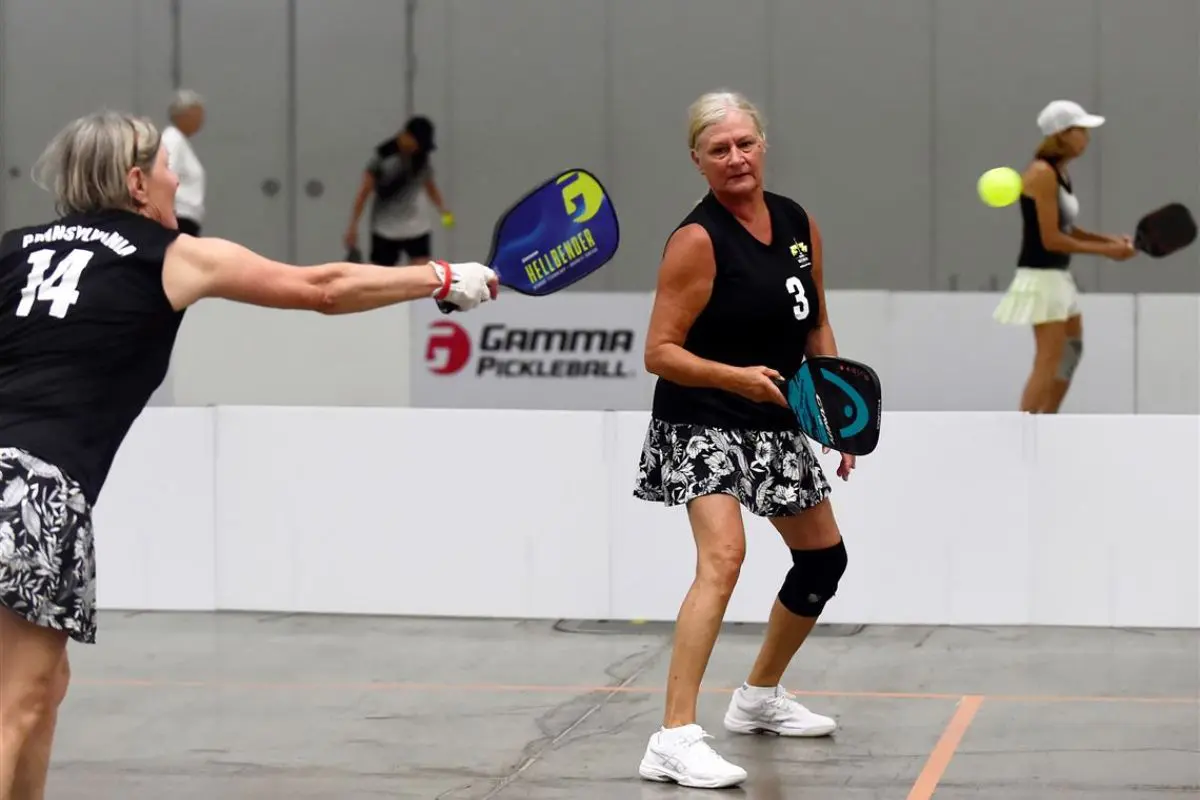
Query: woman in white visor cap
[1043,293]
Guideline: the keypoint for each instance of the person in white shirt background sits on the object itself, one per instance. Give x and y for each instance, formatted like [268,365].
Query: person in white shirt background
[187,118]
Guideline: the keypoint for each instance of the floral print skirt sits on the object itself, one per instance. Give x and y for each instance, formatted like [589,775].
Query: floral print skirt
[47,559]
[771,473]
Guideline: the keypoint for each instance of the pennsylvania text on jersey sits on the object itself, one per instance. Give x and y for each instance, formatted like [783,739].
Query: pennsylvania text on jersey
[80,233]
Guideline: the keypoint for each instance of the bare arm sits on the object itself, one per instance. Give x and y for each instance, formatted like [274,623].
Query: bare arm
[1088,236]
[196,268]
[820,340]
[360,199]
[1041,183]
[435,195]
[685,280]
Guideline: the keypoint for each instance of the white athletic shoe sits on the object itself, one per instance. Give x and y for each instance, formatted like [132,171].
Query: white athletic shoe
[682,755]
[773,710]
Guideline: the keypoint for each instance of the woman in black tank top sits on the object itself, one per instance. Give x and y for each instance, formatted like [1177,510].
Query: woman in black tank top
[1043,293]
[740,301]
[81,357]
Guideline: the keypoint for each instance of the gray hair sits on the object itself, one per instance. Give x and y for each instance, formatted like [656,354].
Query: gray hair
[86,164]
[712,107]
[182,100]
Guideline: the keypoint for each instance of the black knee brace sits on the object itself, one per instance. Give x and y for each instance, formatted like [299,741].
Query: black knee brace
[813,579]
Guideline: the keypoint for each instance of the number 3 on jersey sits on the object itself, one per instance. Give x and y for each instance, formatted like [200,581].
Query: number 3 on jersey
[60,290]
[796,287]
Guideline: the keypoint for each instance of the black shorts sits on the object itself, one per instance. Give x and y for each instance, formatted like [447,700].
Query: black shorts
[386,252]
[47,557]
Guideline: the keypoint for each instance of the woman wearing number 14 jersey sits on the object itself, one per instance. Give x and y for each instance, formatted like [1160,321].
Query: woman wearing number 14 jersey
[90,305]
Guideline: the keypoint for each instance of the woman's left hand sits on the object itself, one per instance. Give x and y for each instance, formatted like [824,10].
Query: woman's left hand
[847,465]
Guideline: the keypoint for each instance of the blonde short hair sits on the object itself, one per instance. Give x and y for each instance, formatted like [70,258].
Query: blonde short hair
[86,163]
[712,107]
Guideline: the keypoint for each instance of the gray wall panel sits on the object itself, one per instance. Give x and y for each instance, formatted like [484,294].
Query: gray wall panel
[236,54]
[344,108]
[432,95]
[526,81]
[61,59]
[1149,90]
[881,115]
[851,120]
[155,50]
[665,54]
[153,85]
[998,64]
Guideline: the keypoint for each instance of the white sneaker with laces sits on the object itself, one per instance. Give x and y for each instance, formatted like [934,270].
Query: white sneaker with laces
[754,709]
[682,755]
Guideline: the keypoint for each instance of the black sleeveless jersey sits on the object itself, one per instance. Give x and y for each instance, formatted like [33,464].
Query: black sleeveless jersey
[86,333]
[764,304]
[1033,251]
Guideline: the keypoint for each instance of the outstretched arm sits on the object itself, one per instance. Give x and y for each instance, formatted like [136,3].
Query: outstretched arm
[209,267]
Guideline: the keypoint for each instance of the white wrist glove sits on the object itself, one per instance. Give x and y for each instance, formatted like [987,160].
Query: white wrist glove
[464,286]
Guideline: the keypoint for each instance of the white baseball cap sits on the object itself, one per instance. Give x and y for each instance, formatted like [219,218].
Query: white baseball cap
[1058,115]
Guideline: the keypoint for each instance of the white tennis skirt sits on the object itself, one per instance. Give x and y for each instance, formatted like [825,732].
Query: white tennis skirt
[1038,295]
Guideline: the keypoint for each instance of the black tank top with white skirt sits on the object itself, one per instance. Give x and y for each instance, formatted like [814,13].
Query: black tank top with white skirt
[763,305]
[1033,251]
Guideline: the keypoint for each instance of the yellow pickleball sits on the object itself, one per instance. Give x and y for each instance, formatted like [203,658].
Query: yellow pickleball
[1000,186]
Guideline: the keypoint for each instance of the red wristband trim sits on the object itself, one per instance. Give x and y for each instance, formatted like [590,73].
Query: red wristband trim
[447,277]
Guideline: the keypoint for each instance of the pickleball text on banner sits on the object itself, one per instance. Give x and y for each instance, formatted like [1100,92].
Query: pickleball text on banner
[577,351]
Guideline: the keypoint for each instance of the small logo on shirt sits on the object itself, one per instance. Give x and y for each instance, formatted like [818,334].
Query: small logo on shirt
[799,252]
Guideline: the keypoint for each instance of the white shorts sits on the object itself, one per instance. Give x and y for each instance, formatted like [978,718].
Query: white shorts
[1038,295]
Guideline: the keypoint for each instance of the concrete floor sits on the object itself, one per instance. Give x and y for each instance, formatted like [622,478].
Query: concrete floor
[241,706]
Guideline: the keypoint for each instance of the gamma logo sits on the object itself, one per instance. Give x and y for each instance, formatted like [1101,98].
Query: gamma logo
[448,349]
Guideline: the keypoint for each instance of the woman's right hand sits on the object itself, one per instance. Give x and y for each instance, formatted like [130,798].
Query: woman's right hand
[760,384]
[1121,249]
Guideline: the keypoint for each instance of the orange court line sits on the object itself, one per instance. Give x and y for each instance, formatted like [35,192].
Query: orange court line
[388,686]
[943,751]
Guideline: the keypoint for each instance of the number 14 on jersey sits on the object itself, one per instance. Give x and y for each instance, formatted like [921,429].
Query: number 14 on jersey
[60,290]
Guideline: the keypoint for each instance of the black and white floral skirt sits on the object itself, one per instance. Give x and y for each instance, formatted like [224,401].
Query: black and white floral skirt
[47,558]
[771,473]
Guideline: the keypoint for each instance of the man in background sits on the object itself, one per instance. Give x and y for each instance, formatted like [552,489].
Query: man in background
[399,173]
[187,118]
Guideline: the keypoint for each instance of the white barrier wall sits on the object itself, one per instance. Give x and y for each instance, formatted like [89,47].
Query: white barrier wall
[935,351]
[957,518]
